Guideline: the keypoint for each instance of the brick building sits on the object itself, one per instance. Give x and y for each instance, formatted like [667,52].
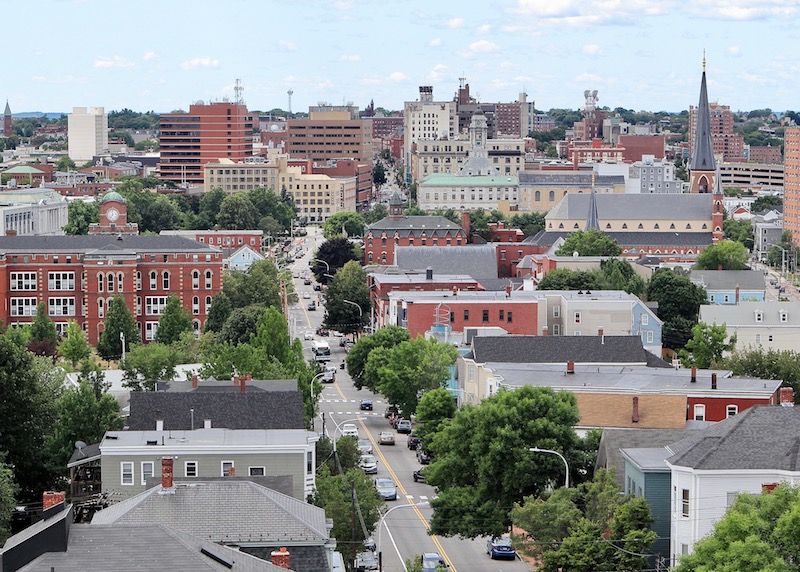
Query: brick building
[791,182]
[635,146]
[330,132]
[725,142]
[765,154]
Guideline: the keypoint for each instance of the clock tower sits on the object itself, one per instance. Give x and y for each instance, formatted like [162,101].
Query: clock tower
[113,216]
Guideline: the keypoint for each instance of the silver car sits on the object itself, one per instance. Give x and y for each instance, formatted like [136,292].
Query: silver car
[386,489]
[365,446]
[369,464]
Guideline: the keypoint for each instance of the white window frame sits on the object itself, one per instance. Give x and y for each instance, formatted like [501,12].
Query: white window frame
[152,471]
[649,336]
[61,306]
[759,316]
[122,473]
[150,329]
[153,280]
[57,281]
[263,471]
[101,308]
[165,280]
[195,305]
[110,282]
[195,280]
[22,281]
[758,338]
[138,279]
[556,311]
[731,410]
[556,329]
[209,279]
[699,412]
[784,317]
[196,471]
[577,317]
[222,467]
[685,497]
[23,306]
[155,305]
[645,319]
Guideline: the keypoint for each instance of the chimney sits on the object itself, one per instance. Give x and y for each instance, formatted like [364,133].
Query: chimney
[195,379]
[465,223]
[166,473]
[713,381]
[787,397]
[545,331]
[429,273]
[11,232]
[159,424]
[570,367]
[52,498]
[243,384]
[249,376]
[600,333]
[236,379]
[508,291]
[694,375]
[231,471]
[635,415]
[280,558]
[737,294]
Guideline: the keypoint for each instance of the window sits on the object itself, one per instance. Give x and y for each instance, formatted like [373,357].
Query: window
[509,317]
[502,255]
[190,468]
[685,503]
[208,304]
[138,280]
[466,315]
[228,469]
[309,463]
[731,410]
[150,329]
[196,305]
[154,305]
[208,280]
[502,315]
[23,281]
[784,317]
[61,307]
[769,338]
[23,306]
[110,282]
[556,311]
[556,329]
[165,280]
[100,283]
[645,319]
[138,305]
[60,281]
[126,472]
[153,280]
[101,308]
[486,316]
[119,282]
[195,280]
[256,471]
[699,412]
[650,336]
[147,471]
[758,338]
[759,316]
[577,317]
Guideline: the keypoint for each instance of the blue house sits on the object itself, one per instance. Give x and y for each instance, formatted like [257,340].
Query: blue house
[242,258]
[731,286]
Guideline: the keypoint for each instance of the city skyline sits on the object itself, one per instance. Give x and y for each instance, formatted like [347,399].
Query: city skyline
[164,56]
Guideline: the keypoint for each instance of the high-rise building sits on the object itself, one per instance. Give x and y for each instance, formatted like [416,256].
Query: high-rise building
[206,134]
[791,182]
[8,122]
[726,143]
[87,133]
[330,132]
[427,119]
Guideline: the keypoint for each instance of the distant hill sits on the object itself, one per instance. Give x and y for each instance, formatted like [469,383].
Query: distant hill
[49,114]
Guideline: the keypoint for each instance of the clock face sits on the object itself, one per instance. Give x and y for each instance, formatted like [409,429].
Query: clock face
[112,214]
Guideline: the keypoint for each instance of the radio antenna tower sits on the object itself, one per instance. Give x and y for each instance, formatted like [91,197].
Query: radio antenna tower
[290,92]
[237,91]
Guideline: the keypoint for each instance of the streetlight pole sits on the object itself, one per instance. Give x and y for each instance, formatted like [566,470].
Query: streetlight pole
[566,465]
[337,425]
[382,521]
[122,341]
[327,266]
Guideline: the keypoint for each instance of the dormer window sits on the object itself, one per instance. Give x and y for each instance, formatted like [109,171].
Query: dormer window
[784,316]
[759,316]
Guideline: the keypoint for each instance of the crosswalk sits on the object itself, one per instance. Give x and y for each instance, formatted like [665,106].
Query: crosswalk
[419,499]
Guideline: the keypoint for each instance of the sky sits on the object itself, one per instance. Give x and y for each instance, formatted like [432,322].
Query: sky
[163,56]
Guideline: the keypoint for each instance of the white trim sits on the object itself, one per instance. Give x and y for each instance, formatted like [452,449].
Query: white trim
[122,473]
[152,471]
[186,469]
[263,471]
[222,467]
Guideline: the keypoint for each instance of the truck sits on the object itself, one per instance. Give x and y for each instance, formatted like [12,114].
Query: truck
[321,350]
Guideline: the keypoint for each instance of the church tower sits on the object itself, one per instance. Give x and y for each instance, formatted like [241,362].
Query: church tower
[702,166]
[8,122]
[395,207]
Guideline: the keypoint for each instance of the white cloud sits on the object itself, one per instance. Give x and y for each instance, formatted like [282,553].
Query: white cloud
[113,62]
[588,77]
[149,56]
[349,58]
[484,29]
[397,77]
[734,51]
[343,4]
[287,45]
[479,47]
[438,73]
[195,63]
[435,42]
[591,49]
[454,23]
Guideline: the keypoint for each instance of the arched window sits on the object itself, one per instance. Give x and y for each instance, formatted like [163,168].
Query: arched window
[608,226]
[208,280]
[153,280]
[552,196]
[369,257]
[196,326]
[383,241]
[110,279]
[369,241]
[195,279]
[208,303]
[196,305]
[138,279]
[101,283]
[537,196]
[383,257]
[165,280]
[120,277]
[101,308]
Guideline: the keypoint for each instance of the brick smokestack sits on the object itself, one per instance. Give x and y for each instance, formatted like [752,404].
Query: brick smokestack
[545,331]
[635,414]
[570,367]
[737,294]
[713,381]
[465,223]
[787,397]
[195,380]
[166,473]
[52,498]
[236,379]
[694,375]
[243,384]
[280,558]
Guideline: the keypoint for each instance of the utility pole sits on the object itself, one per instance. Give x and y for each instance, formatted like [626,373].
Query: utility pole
[353,523]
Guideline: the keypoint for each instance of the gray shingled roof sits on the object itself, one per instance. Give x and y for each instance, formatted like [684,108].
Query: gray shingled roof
[744,314]
[729,279]
[631,207]
[103,243]
[145,547]
[408,225]
[703,151]
[227,386]
[561,349]
[569,179]
[226,511]
[761,437]
[478,261]
[633,238]
[250,410]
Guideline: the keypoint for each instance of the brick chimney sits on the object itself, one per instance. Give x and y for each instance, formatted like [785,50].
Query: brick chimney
[231,471]
[601,333]
[713,381]
[570,367]
[166,473]
[465,223]
[694,375]
[545,331]
[508,291]
[236,379]
[635,414]
[737,294]
[249,376]
[11,232]
[243,384]
[195,380]
[787,397]
[52,498]
[280,558]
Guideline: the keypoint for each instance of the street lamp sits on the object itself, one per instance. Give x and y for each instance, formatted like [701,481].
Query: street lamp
[566,466]
[381,523]
[327,266]
[360,311]
[122,341]
[338,426]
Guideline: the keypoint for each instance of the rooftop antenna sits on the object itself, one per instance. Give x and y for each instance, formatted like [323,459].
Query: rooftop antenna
[290,92]
[237,92]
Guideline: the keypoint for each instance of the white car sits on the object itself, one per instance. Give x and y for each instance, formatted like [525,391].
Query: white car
[308,336]
[306,295]
[349,430]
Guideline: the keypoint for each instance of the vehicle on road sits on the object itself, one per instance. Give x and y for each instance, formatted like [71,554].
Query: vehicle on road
[323,332]
[386,489]
[366,405]
[386,438]
[500,548]
[366,562]
[403,426]
[312,306]
[413,442]
[349,430]
[317,287]
[337,334]
[308,336]
[329,375]
[368,464]
[432,561]
[321,350]
[365,446]
[306,295]
[391,410]
[419,476]
[307,282]
[423,456]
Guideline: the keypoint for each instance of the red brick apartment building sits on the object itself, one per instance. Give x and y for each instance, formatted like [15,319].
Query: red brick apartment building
[634,146]
[330,132]
[724,141]
[791,182]
[765,154]
[208,133]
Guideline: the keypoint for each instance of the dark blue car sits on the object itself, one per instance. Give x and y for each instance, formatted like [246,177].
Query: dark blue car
[501,548]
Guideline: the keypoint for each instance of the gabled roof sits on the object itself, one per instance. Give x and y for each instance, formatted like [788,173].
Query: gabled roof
[561,349]
[416,225]
[667,239]
[729,279]
[237,410]
[100,242]
[226,511]
[634,207]
[226,386]
[477,261]
[761,437]
[744,314]
[84,455]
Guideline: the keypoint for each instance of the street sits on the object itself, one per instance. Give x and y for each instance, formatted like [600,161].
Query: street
[404,533]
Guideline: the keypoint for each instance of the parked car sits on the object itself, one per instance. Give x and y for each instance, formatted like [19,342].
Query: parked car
[419,476]
[391,410]
[368,464]
[423,456]
[386,438]
[312,306]
[317,287]
[403,426]
[500,548]
[307,282]
[306,295]
[386,489]
[349,430]
[366,405]
[365,446]
[413,442]
[323,332]
[432,561]
[366,562]
[308,336]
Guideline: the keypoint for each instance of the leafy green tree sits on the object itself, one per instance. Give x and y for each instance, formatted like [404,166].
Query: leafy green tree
[377,213]
[739,230]
[346,449]
[387,337]
[435,408]
[272,335]
[153,212]
[768,364]
[336,252]
[589,243]
[402,373]
[708,345]
[118,319]
[348,287]
[676,295]
[766,202]
[210,203]
[270,206]
[548,517]
[92,375]
[8,492]
[79,216]
[64,163]
[237,212]
[221,308]
[757,534]
[241,324]
[529,223]
[725,255]
[567,279]
[259,284]
[74,347]
[379,175]
[173,322]
[351,223]
[482,464]
[147,364]
[43,338]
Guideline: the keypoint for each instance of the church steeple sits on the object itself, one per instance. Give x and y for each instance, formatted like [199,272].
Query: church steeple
[702,167]
[592,221]
[8,122]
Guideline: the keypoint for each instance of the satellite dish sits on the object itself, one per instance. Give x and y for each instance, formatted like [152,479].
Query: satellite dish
[80,444]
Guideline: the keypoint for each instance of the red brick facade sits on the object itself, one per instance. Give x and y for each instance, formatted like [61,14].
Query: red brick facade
[514,316]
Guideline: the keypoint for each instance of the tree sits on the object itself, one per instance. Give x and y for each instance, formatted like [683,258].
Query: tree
[676,295]
[173,322]
[343,224]
[270,206]
[8,491]
[435,408]
[221,308]
[64,163]
[378,174]
[348,287]
[725,255]
[739,230]
[147,364]
[92,375]
[259,284]
[768,364]
[377,213]
[209,207]
[529,223]
[80,215]
[707,346]
[241,324]
[566,279]
[482,464]
[387,337]
[403,373]
[73,346]
[237,212]
[589,243]
[766,202]
[118,320]
[757,534]
[43,333]
[336,252]
[272,336]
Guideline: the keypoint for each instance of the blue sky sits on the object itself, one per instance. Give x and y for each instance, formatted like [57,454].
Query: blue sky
[638,54]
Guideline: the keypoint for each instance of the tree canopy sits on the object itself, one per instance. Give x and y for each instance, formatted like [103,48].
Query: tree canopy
[334,253]
[347,303]
[351,223]
[436,408]
[118,319]
[259,284]
[739,230]
[173,321]
[613,274]
[589,243]
[80,215]
[707,346]
[387,337]
[768,364]
[147,364]
[679,302]
[766,202]
[73,346]
[725,255]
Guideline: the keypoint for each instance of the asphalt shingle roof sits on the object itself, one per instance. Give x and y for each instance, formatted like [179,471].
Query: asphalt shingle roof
[744,314]
[632,239]
[415,225]
[569,179]
[477,261]
[631,206]
[729,279]
[250,410]
[91,243]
